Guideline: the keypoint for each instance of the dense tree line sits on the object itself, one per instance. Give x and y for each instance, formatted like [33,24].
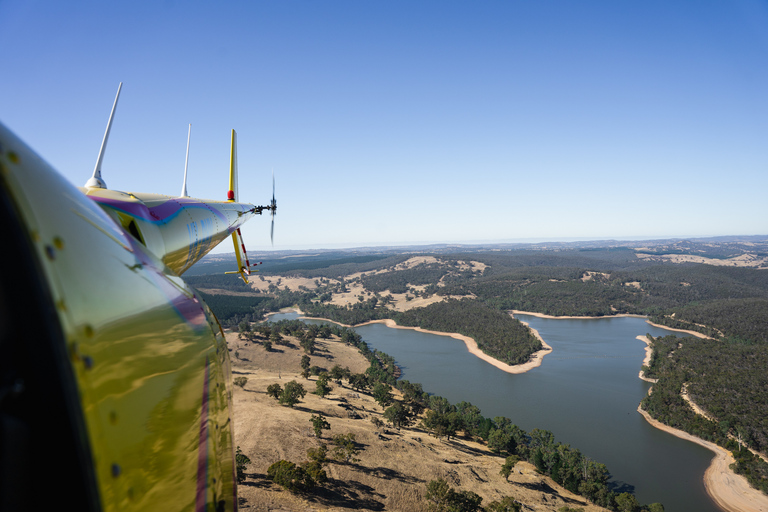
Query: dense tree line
[728,381]
[221,281]
[496,333]
[741,320]
[565,465]
[229,306]
[351,315]
[399,281]
[559,292]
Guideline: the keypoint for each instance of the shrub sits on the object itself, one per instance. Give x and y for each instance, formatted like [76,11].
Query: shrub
[241,460]
[274,390]
[289,475]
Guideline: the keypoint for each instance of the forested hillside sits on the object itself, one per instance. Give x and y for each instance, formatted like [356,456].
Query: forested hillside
[728,381]
[496,333]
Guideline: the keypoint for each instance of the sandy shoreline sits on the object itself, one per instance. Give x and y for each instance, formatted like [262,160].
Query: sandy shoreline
[542,315]
[647,359]
[471,344]
[473,349]
[729,491]
[692,333]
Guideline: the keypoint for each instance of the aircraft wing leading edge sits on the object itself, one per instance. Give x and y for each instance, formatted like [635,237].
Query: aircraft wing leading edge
[140,361]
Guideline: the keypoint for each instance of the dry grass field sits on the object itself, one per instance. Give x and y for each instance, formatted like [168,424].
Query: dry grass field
[394,466]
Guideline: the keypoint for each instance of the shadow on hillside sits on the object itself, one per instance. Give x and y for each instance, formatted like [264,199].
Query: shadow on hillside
[349,494]
[547,489]
[469,450]
[256,480]
[306,409]
[388,473]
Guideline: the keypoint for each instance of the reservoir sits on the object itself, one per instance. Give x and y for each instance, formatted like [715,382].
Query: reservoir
[586,392]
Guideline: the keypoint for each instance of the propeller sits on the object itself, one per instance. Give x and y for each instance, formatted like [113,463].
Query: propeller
[273,208]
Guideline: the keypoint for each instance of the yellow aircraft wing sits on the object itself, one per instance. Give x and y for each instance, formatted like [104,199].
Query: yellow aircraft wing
[115,379]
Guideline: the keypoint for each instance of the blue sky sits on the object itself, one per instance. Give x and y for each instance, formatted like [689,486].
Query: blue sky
[411,122]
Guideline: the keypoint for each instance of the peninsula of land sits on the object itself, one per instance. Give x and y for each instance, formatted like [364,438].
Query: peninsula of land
[536,359]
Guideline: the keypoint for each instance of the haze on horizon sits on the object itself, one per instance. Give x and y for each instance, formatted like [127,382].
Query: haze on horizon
[394,123]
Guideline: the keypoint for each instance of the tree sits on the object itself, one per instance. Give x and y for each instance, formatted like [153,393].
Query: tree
[241,460]
[508,504]
[315,472]
[501,440]
[382,394]
[397,414]
[438,493]
[321,386]
[305,362]
[240,381]
[509,464]
[319,454]
[337,372]
[358,381]
[627,502]
[314,466]
[290,476]
[319,424]
[445,499]
[274,390]
[345,447]
[308,344]
[292,393]
[268,346]
[471,416]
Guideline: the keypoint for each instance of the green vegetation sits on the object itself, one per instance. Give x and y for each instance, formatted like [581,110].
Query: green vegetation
[319,424]
[292,394]
[292,477]
[321,386]
[442,498]
[728,380]
[229,306]
[345,447]
[241,461]
[496,333]
[508,466]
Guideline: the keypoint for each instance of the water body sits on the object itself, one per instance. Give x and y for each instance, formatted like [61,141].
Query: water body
[586,392]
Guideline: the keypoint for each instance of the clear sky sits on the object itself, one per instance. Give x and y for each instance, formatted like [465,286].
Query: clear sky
[403,122]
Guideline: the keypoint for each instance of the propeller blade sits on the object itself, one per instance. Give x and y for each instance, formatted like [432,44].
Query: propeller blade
[273,208]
